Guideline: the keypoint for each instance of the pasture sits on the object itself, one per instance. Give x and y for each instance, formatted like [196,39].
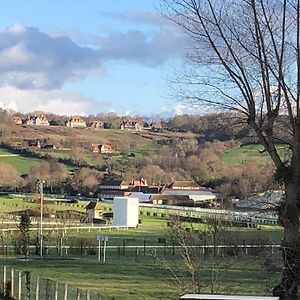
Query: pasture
[243,154]
[21,163]
[134,272]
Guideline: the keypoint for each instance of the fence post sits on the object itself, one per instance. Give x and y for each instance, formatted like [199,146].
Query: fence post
[12,282]
[66,292]
[56,291]
[19,285]
[88,296]
[37,291]
[78,294]
[4,279]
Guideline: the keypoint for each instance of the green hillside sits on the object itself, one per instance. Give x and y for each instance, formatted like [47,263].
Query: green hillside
[245,153]
[21,163]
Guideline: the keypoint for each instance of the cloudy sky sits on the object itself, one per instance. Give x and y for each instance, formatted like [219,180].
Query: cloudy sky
[81,57]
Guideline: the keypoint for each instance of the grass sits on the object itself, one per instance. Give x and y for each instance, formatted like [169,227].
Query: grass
[127,279]
[21,163]
[246,153]
[145,276]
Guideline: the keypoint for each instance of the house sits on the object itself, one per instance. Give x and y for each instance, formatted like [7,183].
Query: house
[113,184]
[75,122]
[95,148]
[138,184]
[129,125]
[33,143]
[156,127]
[103,149]
[106,149]
[40,120]
[94,210]
[97,124]
[48,147]
[17,120]
[110,188]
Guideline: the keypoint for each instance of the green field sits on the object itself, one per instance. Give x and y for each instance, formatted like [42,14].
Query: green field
[140,274]
[129,279]
[246,153]
[21,163]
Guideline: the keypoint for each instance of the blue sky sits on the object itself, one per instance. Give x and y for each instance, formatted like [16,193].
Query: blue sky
[85,57]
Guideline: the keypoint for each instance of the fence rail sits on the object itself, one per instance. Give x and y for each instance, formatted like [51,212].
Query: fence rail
[25,285]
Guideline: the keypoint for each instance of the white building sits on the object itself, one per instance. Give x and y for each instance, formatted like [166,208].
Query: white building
[126,211]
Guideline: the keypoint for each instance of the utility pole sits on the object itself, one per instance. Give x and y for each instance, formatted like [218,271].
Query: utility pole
[40,184]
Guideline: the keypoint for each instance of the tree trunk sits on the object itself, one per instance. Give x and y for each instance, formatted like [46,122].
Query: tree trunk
[288,288]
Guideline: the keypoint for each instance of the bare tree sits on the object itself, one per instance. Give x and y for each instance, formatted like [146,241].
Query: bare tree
[246,58]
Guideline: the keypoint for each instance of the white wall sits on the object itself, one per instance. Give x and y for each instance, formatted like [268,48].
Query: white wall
[126,211]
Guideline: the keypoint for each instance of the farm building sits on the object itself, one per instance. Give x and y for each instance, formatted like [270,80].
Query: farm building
[94,210]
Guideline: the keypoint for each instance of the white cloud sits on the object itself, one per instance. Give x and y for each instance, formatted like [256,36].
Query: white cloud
[55,101]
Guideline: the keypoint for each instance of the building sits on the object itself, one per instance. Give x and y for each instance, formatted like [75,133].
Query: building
[156,127]
[111,188]
[129,125]
[103,149]
[94,210]
[191,189]
[75,122]
[97,124]
[48,147]
[33,143]
[174,200]
[39,120]
[106,149]
[17,120]
[184,185]
[126,212]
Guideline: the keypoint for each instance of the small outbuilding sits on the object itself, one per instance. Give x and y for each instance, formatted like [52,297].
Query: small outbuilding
[126,212]
[94,210]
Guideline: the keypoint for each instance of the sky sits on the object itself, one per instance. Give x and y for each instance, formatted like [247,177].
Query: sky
[87,57]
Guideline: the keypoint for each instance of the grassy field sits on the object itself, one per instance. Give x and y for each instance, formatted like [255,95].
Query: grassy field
[21,163]
[128,279]
[146,275]
[246,153]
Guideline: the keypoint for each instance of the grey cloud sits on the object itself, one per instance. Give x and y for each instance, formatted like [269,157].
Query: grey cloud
[32,59]
[139,47]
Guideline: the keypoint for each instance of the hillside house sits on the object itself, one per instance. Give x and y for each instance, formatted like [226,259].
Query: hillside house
[48,147]
[33,143]
[156,127]
[95,148]
[103,149]
[106,149]
[129,125]
[17,120]
[97,124]
[39,120]
[94,210]
[75,122]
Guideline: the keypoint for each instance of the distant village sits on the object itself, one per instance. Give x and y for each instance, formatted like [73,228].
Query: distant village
[79,122]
